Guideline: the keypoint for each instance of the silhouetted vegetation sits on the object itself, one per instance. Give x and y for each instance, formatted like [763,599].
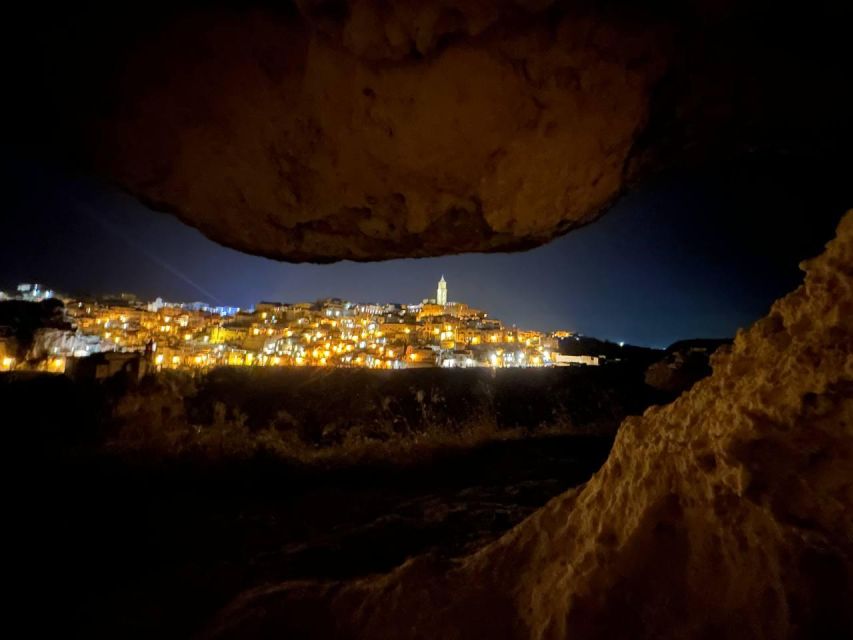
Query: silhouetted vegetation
[346,415]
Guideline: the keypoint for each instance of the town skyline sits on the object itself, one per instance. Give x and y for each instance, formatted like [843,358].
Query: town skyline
[672,262]
[330,332]
[37,291]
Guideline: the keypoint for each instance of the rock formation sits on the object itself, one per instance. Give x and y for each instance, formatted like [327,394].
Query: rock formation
[369,130]
[373,136]
[724,514]
[361,129]
[685,363]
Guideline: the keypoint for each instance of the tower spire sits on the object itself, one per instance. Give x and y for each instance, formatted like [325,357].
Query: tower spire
[441,292]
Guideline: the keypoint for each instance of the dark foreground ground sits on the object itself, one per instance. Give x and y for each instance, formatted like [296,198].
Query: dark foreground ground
[135,542]
[123,551]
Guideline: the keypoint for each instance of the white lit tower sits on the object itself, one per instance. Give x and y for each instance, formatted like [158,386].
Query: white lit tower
[441,292]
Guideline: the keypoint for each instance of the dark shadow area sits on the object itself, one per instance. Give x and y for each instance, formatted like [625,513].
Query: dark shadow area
[127,530]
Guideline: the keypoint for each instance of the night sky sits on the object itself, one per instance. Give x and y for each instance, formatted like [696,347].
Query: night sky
[696,253]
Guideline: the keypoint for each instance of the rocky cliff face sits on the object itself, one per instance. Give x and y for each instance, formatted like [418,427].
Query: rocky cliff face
[724,514]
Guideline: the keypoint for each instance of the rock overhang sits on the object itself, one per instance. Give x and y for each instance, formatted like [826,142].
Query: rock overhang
[322,131]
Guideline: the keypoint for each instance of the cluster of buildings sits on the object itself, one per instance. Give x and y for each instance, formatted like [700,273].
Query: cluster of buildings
[327,333]
[28,292]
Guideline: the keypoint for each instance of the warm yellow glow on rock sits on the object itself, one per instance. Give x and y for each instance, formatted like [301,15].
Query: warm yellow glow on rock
[727,510]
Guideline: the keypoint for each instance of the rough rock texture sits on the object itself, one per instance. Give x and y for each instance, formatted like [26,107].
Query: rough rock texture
[363,129]
[317,139]
[686,362]
[725,514]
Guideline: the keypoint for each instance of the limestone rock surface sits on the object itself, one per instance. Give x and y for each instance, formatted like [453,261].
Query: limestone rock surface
[396,131]
[685,363]
[321,130]
[726,514]
[369,130]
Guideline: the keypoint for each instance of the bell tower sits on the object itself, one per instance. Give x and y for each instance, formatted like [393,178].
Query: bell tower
[441,292]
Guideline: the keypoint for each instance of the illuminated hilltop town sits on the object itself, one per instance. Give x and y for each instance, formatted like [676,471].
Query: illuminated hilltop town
[326,333]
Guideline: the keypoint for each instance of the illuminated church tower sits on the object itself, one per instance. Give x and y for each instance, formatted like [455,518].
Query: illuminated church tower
[441,292]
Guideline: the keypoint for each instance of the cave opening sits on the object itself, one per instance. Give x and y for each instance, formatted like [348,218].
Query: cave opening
[256,392]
